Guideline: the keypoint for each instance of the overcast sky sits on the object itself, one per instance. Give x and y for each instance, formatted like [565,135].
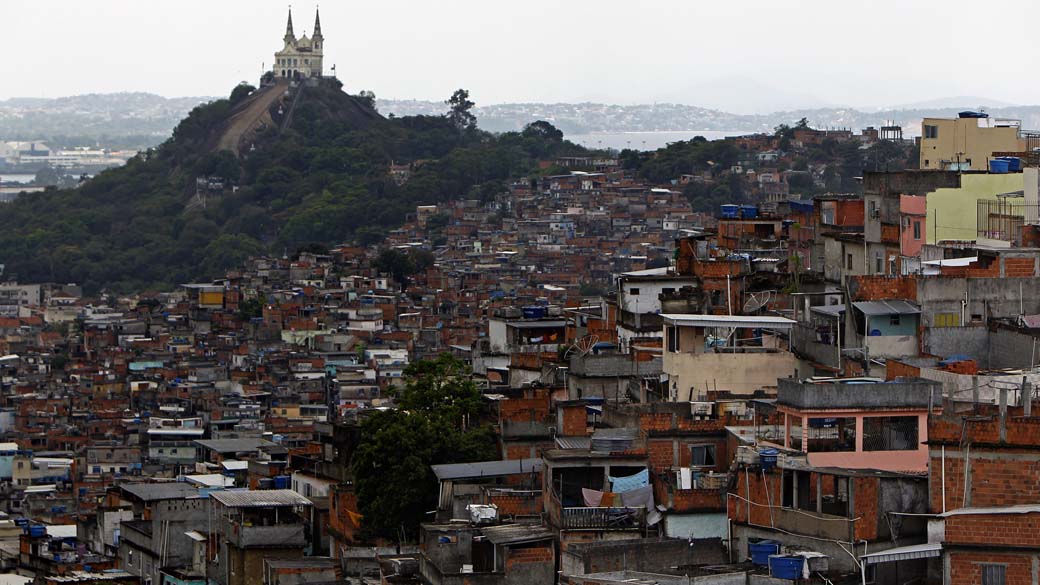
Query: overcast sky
[740,56]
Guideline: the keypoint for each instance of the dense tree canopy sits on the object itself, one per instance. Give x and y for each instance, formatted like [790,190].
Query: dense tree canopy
[323,181]
[435,424]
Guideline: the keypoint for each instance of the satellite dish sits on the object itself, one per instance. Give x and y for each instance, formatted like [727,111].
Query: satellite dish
[581,346]
[757,300]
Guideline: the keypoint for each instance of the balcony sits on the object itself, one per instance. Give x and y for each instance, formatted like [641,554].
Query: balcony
[281,536]
[603,518]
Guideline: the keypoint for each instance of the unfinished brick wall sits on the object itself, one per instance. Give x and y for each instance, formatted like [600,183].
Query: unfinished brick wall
[516,505]
[575,421]
[524,409]
[994,479]
[897,369]
[1019,267]
[994,529]
[696,500]
[874,288]
[519,557]
[966,568]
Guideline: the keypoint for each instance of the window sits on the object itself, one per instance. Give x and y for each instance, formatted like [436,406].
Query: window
[917,230]
[976,318]
[673,338]
[946,320]
[667,291]
[890,433]
[702,455]
[831,434]
[993,574]
[848,262]
[878,266]
[893,320]
[633,291]
[931,131]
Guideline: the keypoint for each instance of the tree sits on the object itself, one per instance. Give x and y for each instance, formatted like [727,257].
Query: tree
[367,98]
[241,92]
[461,114]
[802,124]
[544,131]
[391,466]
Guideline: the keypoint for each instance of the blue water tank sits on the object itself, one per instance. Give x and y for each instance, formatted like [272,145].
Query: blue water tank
[1014,163]
[729,210]
[748,211]
[785,567]
[761,550]
[281,482]
[998,166]
[768,458]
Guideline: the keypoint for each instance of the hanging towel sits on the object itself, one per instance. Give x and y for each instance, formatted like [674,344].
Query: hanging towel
[593,498]
[610,500]
[642,498]
[631,482]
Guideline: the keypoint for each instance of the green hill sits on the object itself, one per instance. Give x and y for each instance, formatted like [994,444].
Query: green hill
[312,169]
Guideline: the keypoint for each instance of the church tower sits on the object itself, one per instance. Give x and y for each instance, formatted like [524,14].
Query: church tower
[290,36]
[318,38]
[300,57]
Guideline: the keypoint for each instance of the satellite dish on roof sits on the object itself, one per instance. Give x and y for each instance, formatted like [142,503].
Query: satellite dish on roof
[757,300]
[581,346]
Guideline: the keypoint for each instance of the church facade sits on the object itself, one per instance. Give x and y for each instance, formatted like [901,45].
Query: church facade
[300,57]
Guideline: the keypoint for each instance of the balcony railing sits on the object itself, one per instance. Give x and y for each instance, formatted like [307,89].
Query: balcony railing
[603,518]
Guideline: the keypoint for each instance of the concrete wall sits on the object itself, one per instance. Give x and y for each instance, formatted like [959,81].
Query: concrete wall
[989,297]
[693,375]
[952,214]
[894,346]
[653,555]
[696,525]
[970,341]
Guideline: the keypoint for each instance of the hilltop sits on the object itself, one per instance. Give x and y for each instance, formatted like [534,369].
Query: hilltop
[260,171]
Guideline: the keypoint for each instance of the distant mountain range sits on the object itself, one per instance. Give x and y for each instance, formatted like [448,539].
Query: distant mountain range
[150,118]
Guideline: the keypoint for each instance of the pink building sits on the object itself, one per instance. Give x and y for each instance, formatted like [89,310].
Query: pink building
[873,425]
[912,224]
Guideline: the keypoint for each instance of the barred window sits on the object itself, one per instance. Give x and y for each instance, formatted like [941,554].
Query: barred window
[890,433]
[993,574]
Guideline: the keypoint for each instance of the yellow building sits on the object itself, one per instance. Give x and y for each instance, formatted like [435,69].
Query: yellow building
[966,143]
[952,213]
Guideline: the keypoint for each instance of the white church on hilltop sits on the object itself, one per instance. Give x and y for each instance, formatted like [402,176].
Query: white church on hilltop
[301,57]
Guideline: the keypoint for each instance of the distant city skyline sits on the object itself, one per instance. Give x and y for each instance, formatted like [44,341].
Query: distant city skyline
[759,58]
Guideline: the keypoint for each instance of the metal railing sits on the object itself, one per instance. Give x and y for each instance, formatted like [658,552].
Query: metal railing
[603,518]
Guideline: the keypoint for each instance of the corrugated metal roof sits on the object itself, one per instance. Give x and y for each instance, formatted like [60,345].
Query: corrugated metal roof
[259,498]
[234,445]
[574,442]
[904,553]
[486,468]
[150,492]
[893,307]
[767,321]
[1020,509]
[516,533]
